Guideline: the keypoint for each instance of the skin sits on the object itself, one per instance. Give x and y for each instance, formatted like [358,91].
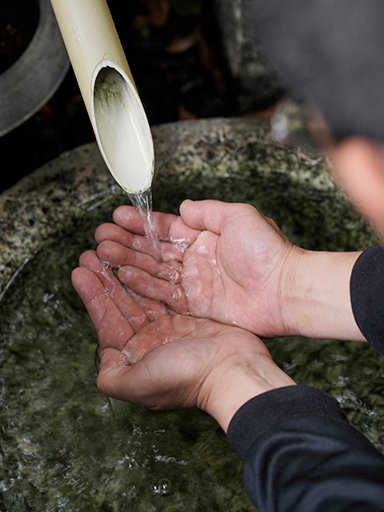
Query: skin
[236,267]
[359,167]
[172,360]
[229,265]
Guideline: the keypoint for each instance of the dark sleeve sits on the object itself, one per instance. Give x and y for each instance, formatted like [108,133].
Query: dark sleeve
[367,295]
[300,454]
[331,53]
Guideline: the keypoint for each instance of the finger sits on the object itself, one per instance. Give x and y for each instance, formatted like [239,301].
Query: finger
[207,215]
[169,227]
[112,374]
[139,243]
[153,336]
[153,308]
[118,255]
[152,288]
[111,327]
[114,233]
[129,218]
[109,231]
[159,250]
[132,382]
[131,312]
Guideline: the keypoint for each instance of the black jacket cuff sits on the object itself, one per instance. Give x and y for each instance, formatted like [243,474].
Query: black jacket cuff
[367,295]
[261,414]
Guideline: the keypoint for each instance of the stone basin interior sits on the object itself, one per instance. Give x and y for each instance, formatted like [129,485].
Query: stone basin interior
[66,447]
[18,23]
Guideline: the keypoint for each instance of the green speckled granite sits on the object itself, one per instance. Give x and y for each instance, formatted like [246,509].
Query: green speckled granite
[64,446]
[205,158]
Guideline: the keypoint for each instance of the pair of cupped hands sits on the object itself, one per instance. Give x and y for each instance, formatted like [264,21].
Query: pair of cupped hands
[178,322]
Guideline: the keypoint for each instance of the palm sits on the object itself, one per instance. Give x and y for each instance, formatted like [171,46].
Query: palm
[234,277]
[229,273]
[170,362]
[166,363]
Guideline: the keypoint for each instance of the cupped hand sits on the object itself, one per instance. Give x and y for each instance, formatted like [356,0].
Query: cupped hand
[161,360]
[225,262]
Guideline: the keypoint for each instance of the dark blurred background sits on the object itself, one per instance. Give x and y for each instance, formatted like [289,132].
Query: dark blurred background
[190,59]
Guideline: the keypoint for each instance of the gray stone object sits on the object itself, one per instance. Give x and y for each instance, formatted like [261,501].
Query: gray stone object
[33,79]
[66,446]
[233,160]
[256,84]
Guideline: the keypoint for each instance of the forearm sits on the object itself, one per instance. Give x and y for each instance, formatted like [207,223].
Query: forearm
[300,453]
[316,295]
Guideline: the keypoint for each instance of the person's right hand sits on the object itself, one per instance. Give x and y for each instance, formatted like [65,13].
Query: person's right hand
[229,263]
[227,268]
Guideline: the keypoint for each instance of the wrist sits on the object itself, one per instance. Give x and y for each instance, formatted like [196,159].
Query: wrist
[316,295]
[236,383]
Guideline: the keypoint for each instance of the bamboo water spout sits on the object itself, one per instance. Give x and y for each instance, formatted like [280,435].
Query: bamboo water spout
[109,92]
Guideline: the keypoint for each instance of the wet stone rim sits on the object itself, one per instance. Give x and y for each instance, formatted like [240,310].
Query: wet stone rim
[46,202]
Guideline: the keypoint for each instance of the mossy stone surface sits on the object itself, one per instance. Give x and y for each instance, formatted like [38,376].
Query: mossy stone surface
[227,159]
[64,446]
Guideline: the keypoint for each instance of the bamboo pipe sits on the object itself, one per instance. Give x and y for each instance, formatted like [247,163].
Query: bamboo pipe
[109,92]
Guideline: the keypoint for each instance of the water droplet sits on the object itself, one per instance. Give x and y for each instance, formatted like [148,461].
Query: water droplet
[162,488]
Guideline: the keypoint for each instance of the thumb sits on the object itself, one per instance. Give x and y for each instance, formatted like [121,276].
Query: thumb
[206,215]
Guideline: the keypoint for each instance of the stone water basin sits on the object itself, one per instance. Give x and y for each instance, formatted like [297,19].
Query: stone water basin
[65,446]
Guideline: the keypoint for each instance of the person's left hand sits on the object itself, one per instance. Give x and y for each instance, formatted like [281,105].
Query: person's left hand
[161,360]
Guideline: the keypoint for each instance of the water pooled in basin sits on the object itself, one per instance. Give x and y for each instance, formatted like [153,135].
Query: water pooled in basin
[64,448]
